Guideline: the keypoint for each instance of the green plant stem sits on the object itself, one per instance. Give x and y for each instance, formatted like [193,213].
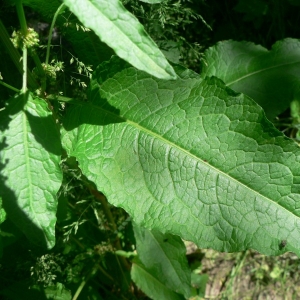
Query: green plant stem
[15,55]
[9,86]
[40,68]
[60,9]
[104,272]
[21,16]
[105,207]
[97,265]
[102,199]
[24,30]
[65,99]
[83,283]
[235,271]
[62,99]
[24,86]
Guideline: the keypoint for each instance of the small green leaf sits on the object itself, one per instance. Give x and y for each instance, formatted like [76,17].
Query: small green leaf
[271,78]
[199,282]
[150,285]
[30,155]
[121,31]
[190,157]
[164,256]
[2,212]
[55,292]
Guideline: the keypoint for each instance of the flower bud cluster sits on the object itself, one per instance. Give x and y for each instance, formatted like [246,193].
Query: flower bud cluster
[30,40]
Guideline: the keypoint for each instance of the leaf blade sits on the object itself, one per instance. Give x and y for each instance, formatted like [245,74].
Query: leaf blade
[185,157]
[119,29]
[150,285]
[164,256]
[31,171]
[270,78]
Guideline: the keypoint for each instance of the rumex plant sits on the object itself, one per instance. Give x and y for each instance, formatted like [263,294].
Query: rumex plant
[188,156]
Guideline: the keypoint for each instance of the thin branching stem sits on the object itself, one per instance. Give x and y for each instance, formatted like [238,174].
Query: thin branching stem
[83,283]
[60,98]
[40,68]
[60,9]
[9,86]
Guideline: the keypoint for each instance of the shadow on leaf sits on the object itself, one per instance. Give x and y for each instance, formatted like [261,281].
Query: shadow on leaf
[11,184]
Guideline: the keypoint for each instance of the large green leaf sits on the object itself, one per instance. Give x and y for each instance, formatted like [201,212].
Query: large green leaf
[30,156]
[190,157]
[121,31]
[271,78]
[164,257]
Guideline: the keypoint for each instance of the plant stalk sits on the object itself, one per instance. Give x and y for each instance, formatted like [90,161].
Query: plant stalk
[40,68]
[9,86]
[24,86]
[83,283]
[235,271]
[105,207]
[21,16]
[60,9]
[102,199]
[15,55]
[24,30]
[64,99]
[97,265]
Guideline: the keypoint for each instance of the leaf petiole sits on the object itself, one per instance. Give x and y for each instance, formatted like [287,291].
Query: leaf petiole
[60,10]
[9,86]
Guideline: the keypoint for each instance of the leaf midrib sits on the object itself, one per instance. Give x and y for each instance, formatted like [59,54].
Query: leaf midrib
[115,25]
[261,71]
[26,153]
[172,144]
[27,163]
[154,278]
